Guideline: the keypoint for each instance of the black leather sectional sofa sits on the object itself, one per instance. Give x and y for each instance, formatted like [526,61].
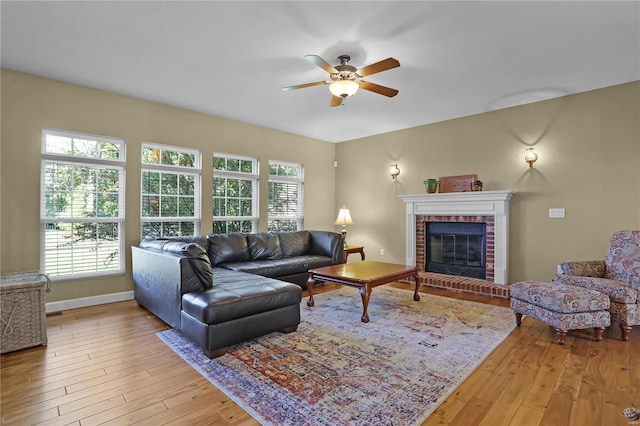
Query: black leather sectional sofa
[222,289]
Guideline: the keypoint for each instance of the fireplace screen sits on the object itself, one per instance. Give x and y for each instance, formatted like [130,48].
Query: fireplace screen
[455,248]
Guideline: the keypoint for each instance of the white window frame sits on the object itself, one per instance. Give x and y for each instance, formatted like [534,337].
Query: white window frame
[296,180]
[70,252]
[166,169]
[255,185]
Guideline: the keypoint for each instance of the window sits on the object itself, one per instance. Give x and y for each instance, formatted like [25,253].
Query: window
[81,205]
[286,196]
[235,193]
[170,203]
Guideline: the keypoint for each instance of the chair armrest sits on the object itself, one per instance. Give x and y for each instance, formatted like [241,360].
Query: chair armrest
[587,268]
[616,290]
[628,273]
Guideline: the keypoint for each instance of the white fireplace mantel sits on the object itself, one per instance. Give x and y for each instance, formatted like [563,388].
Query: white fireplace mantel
[481,203]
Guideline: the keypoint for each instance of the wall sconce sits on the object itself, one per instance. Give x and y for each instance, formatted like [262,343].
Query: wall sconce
[530,156]
[344,219]
[394,170]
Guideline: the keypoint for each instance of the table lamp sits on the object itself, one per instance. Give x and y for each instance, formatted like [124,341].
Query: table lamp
[344,219]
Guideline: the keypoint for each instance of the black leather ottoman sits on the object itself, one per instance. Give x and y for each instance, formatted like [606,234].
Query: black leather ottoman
[239,306]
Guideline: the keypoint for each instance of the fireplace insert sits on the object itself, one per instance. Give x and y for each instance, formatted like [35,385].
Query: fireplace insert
[456,248]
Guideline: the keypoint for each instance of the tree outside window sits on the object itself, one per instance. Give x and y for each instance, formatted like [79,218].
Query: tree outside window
[82,204]
[235,195]
[286,196]
[170,191]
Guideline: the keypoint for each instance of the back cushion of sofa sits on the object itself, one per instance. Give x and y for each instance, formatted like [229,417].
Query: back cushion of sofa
[199,240]
[230,247]
[264,246]
[158,243]
[153,243]
[199,274]
[294,243]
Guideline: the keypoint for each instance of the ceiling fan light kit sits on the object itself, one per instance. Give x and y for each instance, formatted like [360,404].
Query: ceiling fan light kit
[343,88]
[345,80]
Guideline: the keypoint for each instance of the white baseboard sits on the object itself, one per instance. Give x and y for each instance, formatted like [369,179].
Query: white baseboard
[88,301]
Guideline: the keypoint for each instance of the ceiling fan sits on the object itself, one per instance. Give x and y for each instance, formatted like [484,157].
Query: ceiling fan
[345,80]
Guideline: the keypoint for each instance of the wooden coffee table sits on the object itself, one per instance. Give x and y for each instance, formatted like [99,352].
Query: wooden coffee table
[365,276]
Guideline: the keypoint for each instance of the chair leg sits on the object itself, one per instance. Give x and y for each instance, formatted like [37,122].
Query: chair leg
[561,336]
[626,329]
[518,319]
[599,332]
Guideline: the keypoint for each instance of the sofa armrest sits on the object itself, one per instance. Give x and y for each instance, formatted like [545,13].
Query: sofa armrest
[587,268]
[327,244]
[616,290]
[162,276]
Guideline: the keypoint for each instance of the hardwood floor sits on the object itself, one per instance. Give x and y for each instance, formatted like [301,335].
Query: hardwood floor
[104,365]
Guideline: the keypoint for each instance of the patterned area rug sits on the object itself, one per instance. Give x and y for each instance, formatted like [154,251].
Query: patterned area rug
[336,370]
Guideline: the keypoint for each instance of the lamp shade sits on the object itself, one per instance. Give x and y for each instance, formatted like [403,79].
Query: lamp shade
[344,217]
[343,88]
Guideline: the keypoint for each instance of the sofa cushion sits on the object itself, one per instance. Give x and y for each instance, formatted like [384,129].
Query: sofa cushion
[280,267]
[198,275]
[617,291]
[230,247]
[153,243]
[158,243]
[238,295]
[294,243]
[264,246]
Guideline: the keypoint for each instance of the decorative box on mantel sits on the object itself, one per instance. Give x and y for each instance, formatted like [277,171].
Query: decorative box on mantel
[463,205]
[22,310]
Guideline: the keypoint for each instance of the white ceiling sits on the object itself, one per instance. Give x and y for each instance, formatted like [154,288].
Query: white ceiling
[230,59]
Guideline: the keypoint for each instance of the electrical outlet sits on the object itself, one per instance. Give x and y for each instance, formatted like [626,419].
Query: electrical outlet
[381,252]
[556,213]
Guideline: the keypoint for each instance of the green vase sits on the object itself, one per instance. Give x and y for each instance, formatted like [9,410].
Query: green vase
[431,185]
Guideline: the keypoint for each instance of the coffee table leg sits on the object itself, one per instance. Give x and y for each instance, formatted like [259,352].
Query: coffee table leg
[365,293]
[416,296]
[310,282]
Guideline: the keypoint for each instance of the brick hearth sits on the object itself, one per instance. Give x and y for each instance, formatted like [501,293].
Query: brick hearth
[463,284]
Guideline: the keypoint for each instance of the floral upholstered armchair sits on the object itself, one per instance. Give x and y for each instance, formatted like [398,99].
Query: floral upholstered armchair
[618,276]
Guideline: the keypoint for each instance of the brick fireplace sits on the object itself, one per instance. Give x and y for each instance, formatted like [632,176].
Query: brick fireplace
[421,247]
[489,207]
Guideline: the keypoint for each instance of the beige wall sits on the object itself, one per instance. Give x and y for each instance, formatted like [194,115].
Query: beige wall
[30,104]
[589,164]
[589,148]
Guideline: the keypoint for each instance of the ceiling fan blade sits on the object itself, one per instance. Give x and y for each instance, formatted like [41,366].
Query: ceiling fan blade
[386,91]
[302,86]
[335,101]
[317,60]
[384,65]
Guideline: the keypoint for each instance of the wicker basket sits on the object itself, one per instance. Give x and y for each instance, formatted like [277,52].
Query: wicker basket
[22,310]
